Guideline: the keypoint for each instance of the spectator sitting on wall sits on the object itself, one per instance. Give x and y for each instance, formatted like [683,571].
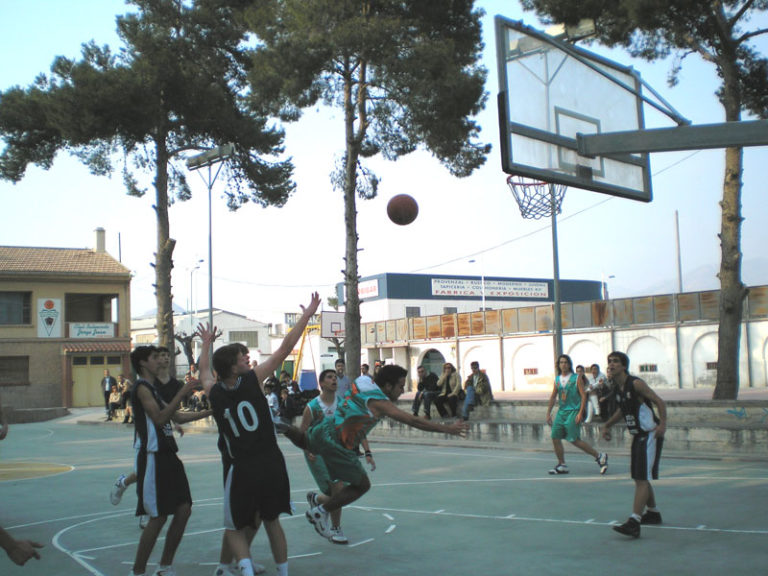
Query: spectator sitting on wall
[428,380]
[449,390]
[114,403]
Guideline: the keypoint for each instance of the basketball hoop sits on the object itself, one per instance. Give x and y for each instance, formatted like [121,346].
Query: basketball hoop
[536,199]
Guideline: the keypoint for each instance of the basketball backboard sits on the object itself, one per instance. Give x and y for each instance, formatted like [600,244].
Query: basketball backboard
[332,325]
[551,91]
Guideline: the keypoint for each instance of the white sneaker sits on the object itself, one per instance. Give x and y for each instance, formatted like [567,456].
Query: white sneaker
[320,519]
[143,521]
[165,571]
[602,461]
[559,469]
[337,536]
[233,570]
[117,490]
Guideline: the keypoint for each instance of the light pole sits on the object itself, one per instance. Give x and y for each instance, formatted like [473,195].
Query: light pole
[192,306]
[482,285]
[207,160]
[604,282]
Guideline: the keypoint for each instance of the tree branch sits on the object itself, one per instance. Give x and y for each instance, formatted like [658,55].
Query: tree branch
[736,17]
[752,34]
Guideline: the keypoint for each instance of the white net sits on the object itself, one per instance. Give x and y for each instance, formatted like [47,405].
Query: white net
[536,199]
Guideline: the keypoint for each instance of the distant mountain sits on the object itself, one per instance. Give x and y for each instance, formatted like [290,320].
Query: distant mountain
[754,272]
[153,311]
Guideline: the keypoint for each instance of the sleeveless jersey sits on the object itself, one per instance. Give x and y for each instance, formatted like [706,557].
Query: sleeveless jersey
[243,418]
[169,389]
[638,415]
[148,436]
[568,394]
[320,410]
[352,419]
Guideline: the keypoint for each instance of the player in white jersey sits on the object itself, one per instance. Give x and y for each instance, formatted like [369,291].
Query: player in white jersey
[317,409]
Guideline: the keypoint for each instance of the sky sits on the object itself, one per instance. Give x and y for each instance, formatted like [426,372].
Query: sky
[267,261]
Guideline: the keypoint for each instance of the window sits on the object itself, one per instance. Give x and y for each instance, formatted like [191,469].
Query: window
[14,370]
[711,365]
[113,360]
[79,360]
[450,310]
[97,360]
[248,337]
[15,308]
[412,311]
[649,368]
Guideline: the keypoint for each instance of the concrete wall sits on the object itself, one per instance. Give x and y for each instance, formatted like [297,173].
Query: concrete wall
[666,356]
[46,373]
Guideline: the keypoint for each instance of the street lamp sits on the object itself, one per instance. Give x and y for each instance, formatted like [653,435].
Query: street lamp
[482,284]
[192,306]
[208,159]
[604,282]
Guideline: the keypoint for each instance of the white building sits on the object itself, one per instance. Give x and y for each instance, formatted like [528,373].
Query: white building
[388,296]
[234,327]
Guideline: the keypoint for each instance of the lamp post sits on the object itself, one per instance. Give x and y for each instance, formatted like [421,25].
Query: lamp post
[604,281]
[192,308]
[208,159]
[482,285]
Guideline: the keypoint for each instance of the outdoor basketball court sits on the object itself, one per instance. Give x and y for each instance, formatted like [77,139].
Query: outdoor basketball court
[432,510]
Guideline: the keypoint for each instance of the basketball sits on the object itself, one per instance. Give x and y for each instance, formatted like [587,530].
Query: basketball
[402,209]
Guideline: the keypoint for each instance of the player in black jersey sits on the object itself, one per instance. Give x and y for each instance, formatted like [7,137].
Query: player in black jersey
[256,488]
[635,400]
[168,387]
[162,485]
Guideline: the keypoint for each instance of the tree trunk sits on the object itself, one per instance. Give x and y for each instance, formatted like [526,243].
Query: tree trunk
[164,255]
[732,291]
[352,298]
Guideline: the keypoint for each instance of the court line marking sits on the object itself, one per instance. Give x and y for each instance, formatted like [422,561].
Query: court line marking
[700,528]
[356,544]
[81,556]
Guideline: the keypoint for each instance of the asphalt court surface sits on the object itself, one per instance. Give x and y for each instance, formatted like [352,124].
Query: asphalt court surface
[432,510]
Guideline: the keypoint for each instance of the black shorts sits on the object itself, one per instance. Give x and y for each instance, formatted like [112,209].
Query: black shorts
[162,484]
[646,453]
[258,486]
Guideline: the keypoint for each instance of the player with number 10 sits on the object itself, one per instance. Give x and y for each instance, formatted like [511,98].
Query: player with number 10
[256,486]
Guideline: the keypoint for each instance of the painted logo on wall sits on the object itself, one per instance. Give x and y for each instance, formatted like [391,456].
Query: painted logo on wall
[48,313]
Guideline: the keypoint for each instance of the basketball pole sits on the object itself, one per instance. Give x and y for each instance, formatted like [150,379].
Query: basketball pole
[556,276]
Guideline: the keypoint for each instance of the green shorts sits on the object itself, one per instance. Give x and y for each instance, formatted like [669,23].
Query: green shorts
[565,427]
[341,463]
[320,473]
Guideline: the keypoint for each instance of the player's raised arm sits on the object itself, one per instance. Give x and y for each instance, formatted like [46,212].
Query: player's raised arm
[208,335]
[274,362]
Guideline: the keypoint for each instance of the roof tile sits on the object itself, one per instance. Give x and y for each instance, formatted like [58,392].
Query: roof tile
[26,260]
